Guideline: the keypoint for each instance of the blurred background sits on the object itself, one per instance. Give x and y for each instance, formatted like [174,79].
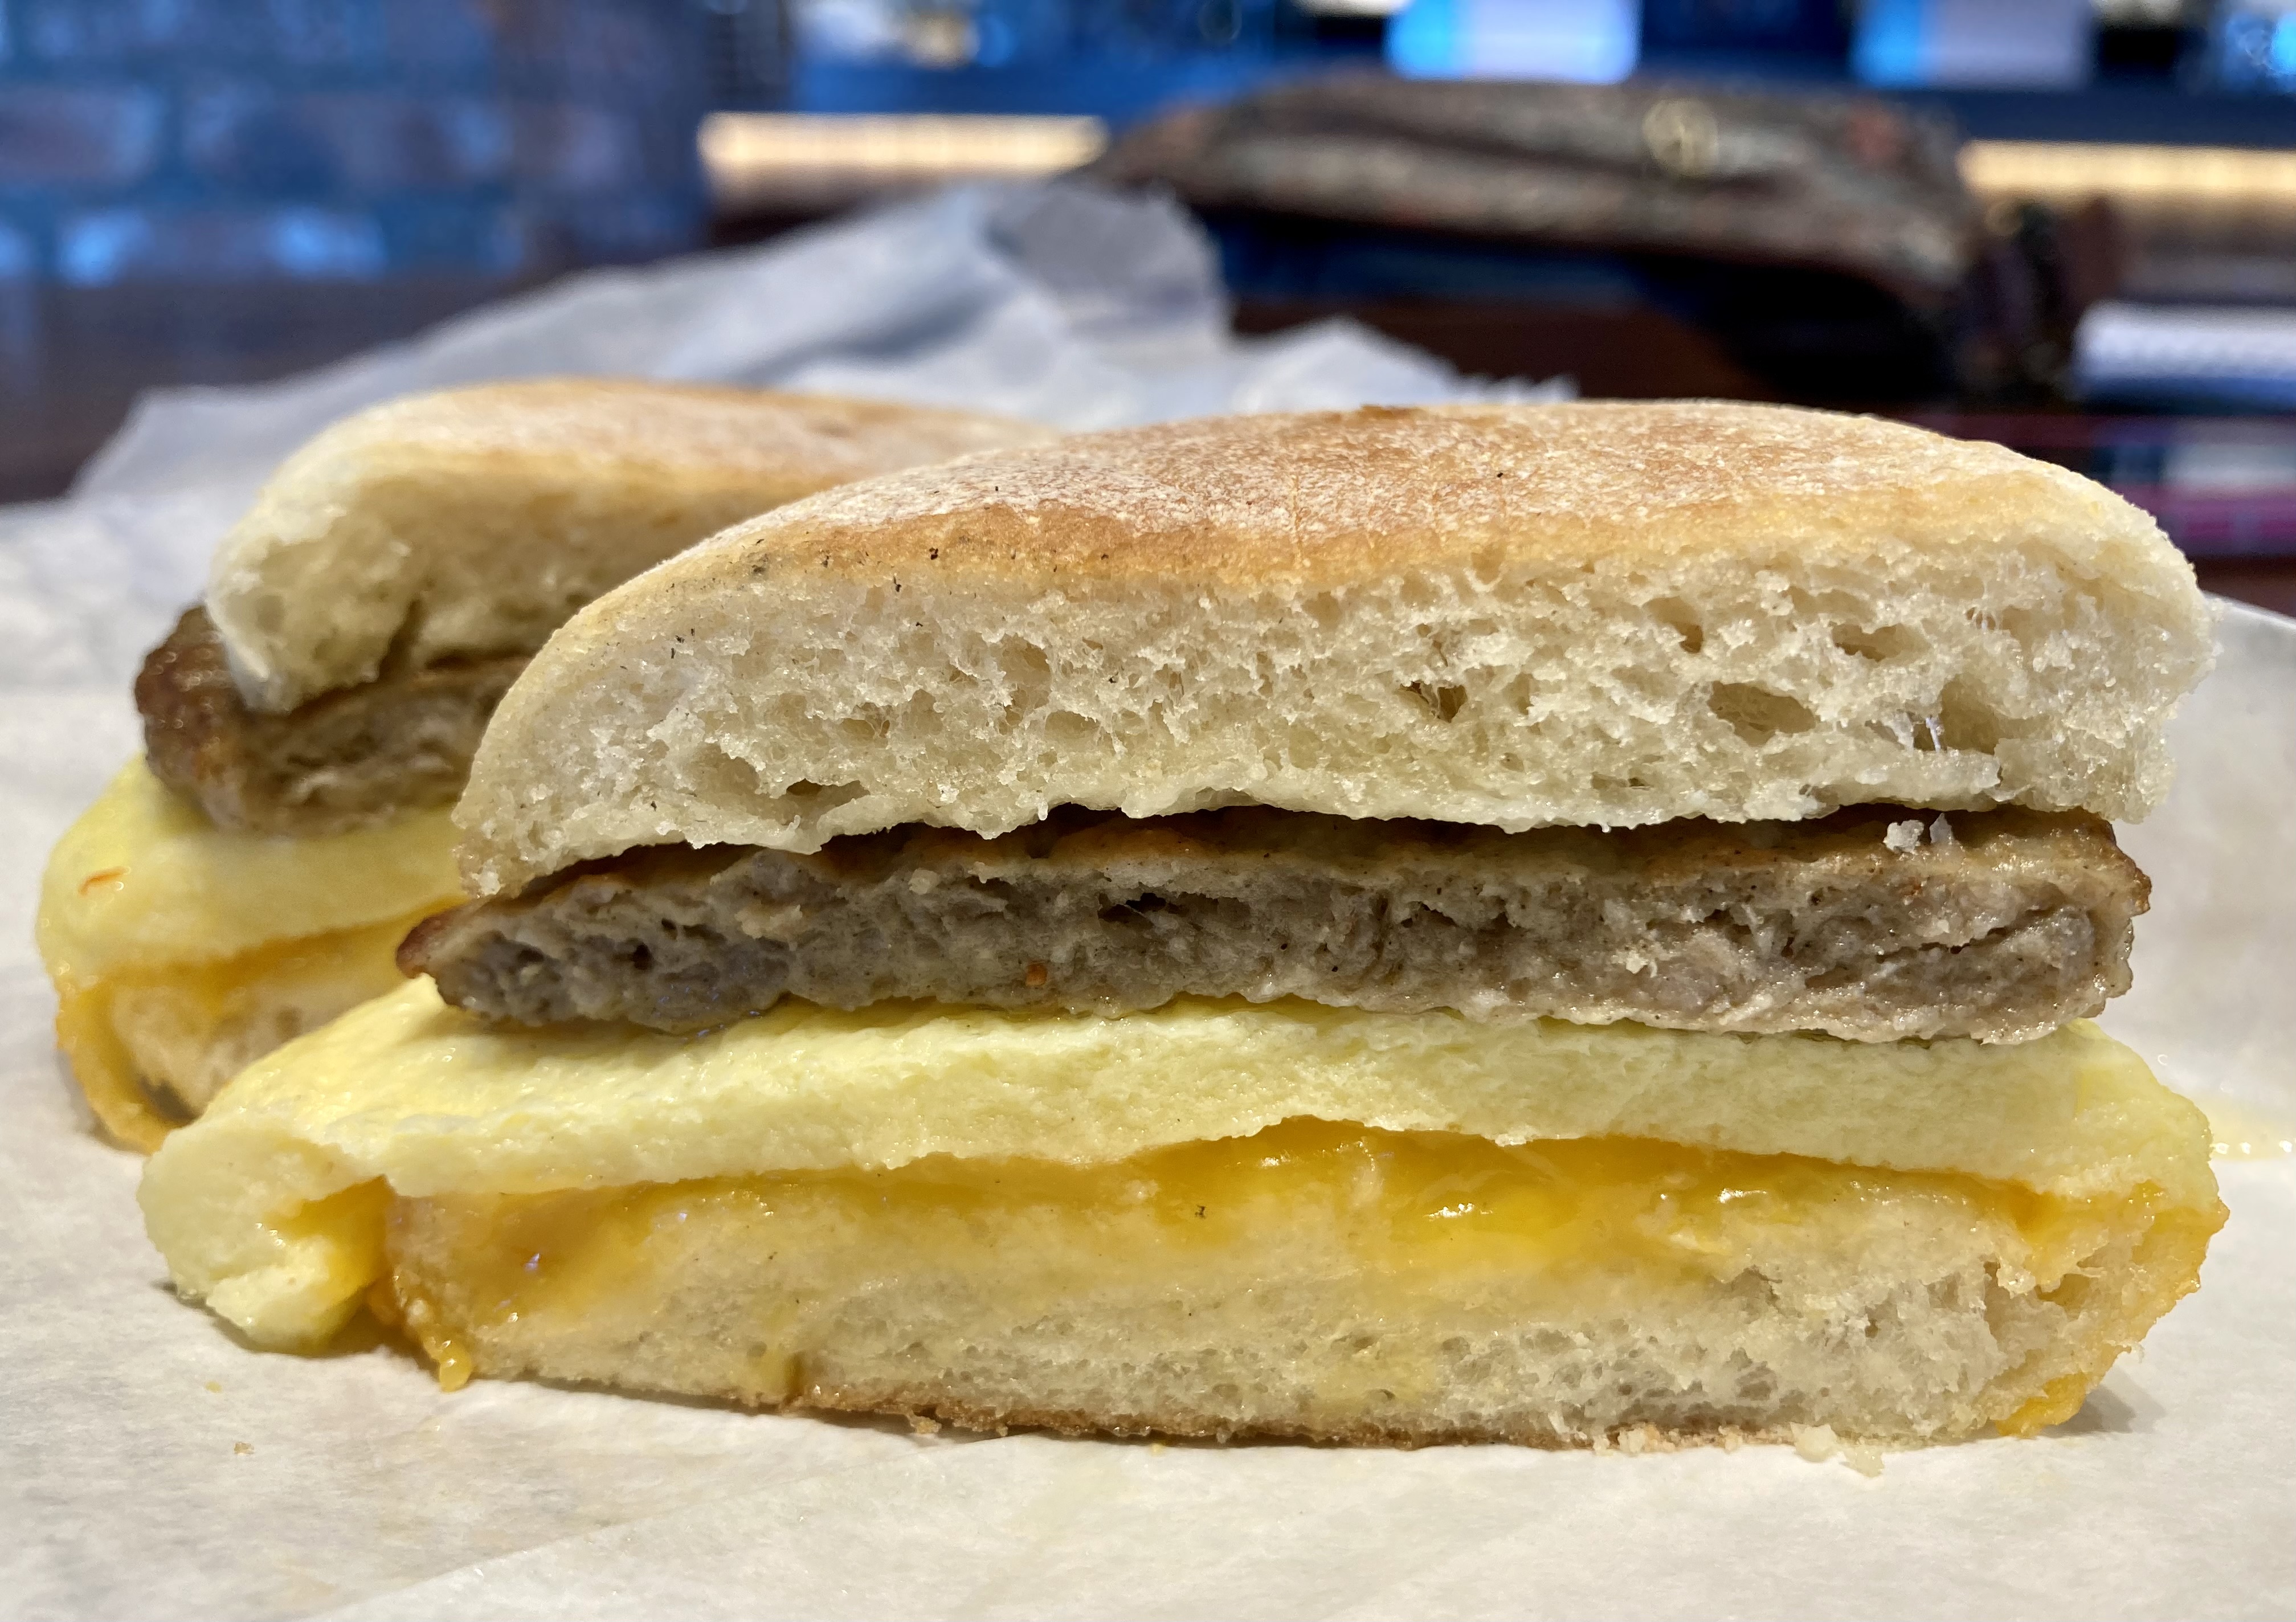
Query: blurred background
[2066,224]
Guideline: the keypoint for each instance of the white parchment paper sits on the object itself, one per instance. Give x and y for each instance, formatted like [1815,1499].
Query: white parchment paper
[151,1466]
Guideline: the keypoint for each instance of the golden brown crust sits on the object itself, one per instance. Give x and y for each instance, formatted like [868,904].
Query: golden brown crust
[473,521]
[921,1401]
[804,442]
[1327,497]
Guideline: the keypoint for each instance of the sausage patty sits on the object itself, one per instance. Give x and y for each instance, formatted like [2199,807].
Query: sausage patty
[1872,924]
[348,758]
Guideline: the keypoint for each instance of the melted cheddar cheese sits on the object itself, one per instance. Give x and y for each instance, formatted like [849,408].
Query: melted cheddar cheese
[1425,1229]
[151,1047]
[435,1105]
[181,951]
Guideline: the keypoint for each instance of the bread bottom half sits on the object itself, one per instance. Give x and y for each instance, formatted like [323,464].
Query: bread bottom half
[152,1049]
[1319,1280]
[182,952]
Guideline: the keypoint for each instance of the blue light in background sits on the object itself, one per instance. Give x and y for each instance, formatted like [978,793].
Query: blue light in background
[16,256]
[2253,46]
[317,242]
[1422,40]
[1588,41]
[2282,54]
[2004,44]
[998,41]
[1887,47]
[93,250]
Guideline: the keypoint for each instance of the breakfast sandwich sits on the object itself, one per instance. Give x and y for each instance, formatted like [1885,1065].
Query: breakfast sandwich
[308,725]
[1549,924]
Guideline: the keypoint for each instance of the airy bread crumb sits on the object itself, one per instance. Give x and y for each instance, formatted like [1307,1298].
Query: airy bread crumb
[1611,615]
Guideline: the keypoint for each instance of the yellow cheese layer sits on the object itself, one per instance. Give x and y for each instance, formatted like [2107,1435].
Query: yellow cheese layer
[180,950]
[1426,1229]
[432,1102]
[152,1047]
[144,879]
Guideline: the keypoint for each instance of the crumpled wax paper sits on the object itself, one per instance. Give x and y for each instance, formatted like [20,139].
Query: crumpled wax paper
[152,1466]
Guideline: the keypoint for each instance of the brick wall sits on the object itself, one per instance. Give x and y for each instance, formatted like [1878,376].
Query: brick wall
[218,190]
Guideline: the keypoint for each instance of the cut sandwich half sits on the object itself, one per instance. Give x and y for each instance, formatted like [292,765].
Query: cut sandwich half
[1295,927]
[308,725]
[1215,1218]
